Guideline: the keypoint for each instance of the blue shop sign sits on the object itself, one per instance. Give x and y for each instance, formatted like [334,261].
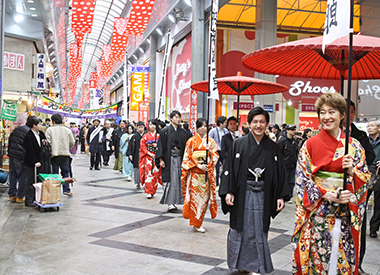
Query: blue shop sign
[138,69]
[268,108]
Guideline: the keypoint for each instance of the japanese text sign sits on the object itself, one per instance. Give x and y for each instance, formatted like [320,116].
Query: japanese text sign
[40,72]
[14,61]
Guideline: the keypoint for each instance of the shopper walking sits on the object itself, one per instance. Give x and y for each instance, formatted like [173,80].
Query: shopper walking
[289,149]
[106,142]
[373,129]
[198,177]
[61,140]
[216,134]
[324,215]
[16,154]
[115,146]
[82,138]
[253,190]
[133,152]
[33,141]
[171,147]
[75,132]
[229,137]
[124,144]
[94,139]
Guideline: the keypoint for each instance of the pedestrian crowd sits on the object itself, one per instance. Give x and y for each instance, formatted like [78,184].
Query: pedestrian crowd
[254,174]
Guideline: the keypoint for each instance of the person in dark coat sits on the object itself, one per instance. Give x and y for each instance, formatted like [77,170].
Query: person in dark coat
[252,190]
[106,141]
[289,148]
[370,156]
[82,138]
[115,146]
[228,138]
[171,147]
[16,154]
[32,162]
[133,152]
[94,139]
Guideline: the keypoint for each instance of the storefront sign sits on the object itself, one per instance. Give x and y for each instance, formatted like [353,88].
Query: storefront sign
[143,111]
[369,98]
[308,108]
[308,122]
[138,69]
[14,61]
[9,111]
[137,90]
[51,107]
[41,72]
[245,105]
[179,77]
[268,108]
[193,111]
[307,90]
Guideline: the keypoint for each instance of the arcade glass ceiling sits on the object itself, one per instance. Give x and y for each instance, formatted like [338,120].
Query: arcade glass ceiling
[86,40]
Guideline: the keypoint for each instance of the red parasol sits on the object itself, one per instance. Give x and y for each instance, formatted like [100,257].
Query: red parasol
[241,85]
[304,58]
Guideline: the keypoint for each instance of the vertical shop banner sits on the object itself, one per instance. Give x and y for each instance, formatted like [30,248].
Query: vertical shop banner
[137,90]
[179,78]
[193,111]
[337,21]
[214,94]
[41,62]
[143,111]
[165,63]
[9,111]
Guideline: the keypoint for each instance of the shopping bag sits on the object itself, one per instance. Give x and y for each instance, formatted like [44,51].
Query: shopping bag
[37,187]
[51,192]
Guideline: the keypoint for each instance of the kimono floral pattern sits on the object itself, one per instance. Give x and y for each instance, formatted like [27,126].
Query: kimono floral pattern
[150,175]
[315,216]
[196,190]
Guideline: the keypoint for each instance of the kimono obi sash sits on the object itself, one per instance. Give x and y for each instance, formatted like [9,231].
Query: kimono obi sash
[330,181]
[200,156]
[151,145]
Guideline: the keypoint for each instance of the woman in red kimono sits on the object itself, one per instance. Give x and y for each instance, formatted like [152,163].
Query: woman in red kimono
[197,191]
[150,175]
[327,226]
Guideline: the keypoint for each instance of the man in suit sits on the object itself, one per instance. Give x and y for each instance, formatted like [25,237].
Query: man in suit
[228,138]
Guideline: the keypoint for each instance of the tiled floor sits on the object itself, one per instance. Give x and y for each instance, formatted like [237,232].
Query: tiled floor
[109,227]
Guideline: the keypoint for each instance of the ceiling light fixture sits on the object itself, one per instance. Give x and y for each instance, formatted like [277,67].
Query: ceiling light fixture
[19,9]
[34,15]
[172,18]
[188,2]
[19,17]
[141,50]
[30,1]
[134,56]
[148,40]
[32,9]
[159,31]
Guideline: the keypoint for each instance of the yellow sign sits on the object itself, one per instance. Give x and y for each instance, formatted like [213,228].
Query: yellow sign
[137,90]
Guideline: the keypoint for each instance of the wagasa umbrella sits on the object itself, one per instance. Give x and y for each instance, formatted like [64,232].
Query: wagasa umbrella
[241,85]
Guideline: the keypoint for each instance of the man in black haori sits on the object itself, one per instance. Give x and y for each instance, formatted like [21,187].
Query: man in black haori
[253,191]
[133,152]
[107,138]
[171,147]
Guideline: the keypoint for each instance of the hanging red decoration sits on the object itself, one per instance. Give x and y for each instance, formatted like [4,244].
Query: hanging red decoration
[106,52]
[82,16]
[94,80]
[139,16]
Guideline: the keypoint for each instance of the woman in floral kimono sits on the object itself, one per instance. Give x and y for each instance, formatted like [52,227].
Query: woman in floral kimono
[150,175]
[197,190]
[124,143]
[327,226]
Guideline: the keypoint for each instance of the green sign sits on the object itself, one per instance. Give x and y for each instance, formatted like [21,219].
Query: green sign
[9,111]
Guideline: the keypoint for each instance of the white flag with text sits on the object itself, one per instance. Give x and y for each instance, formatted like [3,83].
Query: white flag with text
[337,21]
[214,93]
